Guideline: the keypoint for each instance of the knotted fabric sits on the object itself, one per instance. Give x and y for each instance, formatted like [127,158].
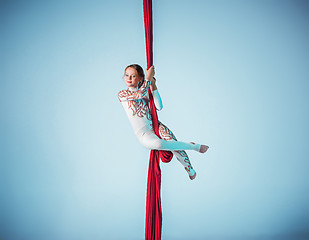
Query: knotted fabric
[153,223]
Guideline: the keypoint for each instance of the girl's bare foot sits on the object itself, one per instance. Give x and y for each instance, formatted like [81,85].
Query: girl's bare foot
[191,172]
[193,176]
[203,148]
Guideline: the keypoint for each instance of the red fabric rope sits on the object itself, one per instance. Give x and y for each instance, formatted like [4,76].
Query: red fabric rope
[147,5]
[153,222]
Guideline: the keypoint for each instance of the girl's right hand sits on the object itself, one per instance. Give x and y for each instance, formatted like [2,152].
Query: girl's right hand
[150,73]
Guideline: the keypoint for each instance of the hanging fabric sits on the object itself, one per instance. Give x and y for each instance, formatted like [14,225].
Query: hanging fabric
[153,222]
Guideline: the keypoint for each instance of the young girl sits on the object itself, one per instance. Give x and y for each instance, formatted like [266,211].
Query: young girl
[135,102]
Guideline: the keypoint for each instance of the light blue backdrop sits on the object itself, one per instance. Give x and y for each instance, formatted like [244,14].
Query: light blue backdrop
[232,74]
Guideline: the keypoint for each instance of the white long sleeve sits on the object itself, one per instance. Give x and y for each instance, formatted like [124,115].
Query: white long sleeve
[136,104]
[157,100]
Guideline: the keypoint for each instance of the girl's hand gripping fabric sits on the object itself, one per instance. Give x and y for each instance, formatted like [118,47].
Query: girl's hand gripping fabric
[150,72]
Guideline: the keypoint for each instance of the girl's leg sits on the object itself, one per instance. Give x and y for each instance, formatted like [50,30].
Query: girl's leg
[152,141]
[181,155]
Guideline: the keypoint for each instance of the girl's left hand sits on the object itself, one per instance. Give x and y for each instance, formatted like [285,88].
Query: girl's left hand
[150,73]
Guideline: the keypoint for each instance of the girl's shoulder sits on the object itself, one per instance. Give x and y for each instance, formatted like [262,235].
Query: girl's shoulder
[124,91]
[123,94]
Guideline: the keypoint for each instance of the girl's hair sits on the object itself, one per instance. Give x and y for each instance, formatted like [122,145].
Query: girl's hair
[140,72]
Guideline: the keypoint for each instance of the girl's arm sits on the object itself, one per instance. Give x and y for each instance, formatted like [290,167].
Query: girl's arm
[157,100]
[126,95]
[156,96]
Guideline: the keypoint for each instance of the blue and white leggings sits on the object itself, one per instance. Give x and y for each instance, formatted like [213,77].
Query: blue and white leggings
[150,140]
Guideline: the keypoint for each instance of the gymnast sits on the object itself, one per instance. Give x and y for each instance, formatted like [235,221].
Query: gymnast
[135,102]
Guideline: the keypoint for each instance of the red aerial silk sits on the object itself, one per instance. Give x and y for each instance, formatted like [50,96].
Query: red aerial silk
[153,224]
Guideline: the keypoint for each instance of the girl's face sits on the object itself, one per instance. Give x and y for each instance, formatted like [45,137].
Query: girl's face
[131,77]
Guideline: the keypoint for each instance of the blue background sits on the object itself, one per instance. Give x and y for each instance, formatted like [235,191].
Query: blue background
[232,74]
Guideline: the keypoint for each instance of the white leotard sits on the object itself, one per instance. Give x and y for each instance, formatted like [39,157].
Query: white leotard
[135,103]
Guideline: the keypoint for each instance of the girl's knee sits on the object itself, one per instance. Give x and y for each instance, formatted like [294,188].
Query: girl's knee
[151,142]
[158,144]
[144,143]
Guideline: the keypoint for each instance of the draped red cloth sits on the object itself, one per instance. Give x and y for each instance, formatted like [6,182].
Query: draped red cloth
[153,223]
